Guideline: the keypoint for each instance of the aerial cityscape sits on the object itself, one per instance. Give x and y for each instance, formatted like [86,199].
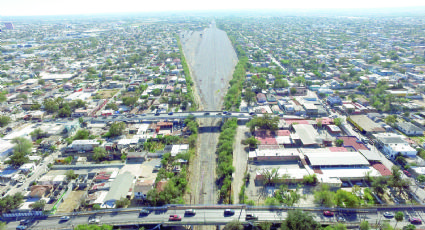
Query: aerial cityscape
[227,119]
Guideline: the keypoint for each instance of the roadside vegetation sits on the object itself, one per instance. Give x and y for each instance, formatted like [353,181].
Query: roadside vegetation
[189,82]
[225,167]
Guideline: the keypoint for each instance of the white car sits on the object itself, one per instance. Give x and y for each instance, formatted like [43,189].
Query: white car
[65,218]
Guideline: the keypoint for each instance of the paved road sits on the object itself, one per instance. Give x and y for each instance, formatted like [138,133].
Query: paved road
[203,216]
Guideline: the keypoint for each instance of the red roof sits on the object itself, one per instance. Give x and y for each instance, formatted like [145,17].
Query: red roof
[338,149]
[382,169]
[267,141]
[301,122]
[325,120]
[353,142]
[283,133]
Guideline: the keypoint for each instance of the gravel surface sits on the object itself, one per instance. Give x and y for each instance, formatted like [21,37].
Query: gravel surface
[212,60]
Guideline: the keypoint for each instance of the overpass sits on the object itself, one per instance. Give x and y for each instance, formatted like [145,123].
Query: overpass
[179,115]
[214,215]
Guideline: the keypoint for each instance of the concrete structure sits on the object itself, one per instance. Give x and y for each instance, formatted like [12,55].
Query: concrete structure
[393,144]
[120,188]
[409,129]
[84,145]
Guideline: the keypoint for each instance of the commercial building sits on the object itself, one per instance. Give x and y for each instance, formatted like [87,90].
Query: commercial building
[365,124]
[393,144]
[120,188]
[410,129]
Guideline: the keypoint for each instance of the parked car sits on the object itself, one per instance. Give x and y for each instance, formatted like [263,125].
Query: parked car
[388,215]
[21,227]
[328,213]
[175,218]
[229,212]
[189,212]
[251,216]
[415,220]
[94,220]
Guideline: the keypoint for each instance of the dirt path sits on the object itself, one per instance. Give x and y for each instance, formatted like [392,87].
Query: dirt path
[240,159]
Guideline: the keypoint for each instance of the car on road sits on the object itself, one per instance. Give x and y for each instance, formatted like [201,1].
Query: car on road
[21,227]
[388,215]
[170,113]
[341,219]
[144,212]
[328,213]
[407,173]
[415,220]
[224,112]
[25,222]
[64,218]
[252,113]
[157,114]
[207,113]
[175,218]
[94,220]
[229,212]
[251,216]
[189,212]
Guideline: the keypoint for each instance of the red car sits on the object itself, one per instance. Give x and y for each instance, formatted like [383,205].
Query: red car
[328,213]
[175,218]
[407,173]
[415,221]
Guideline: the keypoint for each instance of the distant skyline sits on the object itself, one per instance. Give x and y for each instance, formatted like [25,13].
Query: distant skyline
[56,7]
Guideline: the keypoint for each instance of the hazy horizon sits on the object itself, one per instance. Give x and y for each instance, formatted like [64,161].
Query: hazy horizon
[80,7]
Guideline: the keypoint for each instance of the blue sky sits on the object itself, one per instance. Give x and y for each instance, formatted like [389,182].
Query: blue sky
[60,7]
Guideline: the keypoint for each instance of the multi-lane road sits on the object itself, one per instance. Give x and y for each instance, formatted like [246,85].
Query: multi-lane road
[207,216]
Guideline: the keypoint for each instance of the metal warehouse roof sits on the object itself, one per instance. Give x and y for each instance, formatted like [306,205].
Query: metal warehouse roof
[336,158]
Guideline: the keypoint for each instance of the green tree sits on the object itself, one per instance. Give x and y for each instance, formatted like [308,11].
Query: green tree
[38,205]
[4,121]
[116,129]
[41,82]
[22,145]
[265,122]
[379,185]
[299,220]
[233,225]
[338,226]
[8,202]
[338,121]
[293,90]
[409,227]
[364,225]
[252,142]
[99,153]
[70,175]
[249,96]
[270,176]
[324,197]
[50,105]
[3,225]
[399,216]
[122,203]
[265,225]
[339,142]
[82,134]
[390,119]
[129,101]
[112,106]
[37,134]
[421,178]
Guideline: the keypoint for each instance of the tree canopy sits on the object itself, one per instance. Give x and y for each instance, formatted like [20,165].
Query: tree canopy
[299,220]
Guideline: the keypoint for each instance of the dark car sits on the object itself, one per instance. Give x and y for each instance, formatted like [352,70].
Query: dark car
[144,212]
[251,216]
[207,113]
[251,113]
[25,221]
[229,212]
[157,114]
[175,218]
[170,113]
[189,212]
[415,221]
